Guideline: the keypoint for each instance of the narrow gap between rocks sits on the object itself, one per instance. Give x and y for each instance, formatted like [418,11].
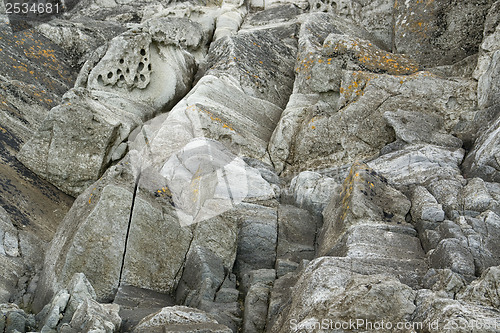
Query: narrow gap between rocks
[134,195]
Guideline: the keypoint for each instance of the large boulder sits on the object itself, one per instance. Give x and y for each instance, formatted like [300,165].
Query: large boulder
[75,309]
[359,222]
[136,77]
[180,319]
[438,313]
[343,296]
[80,137]
[485,290]
[260,59]
[420,164]
[325,134]
[143,68]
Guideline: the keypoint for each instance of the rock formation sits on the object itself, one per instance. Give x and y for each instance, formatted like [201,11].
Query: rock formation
[258,166]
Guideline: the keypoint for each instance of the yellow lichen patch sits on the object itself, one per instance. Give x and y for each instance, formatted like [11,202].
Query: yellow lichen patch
[164,191]
[211,115]
[373,58]
[354,87]
[91,194]
[3,130]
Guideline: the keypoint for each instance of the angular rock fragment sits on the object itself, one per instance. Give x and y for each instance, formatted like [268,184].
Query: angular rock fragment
[180,319]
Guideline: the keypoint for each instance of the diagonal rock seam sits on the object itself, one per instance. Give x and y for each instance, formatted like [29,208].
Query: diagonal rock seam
[134,195]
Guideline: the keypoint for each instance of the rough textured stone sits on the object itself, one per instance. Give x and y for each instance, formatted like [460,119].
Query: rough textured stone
[202,277]
[312,191]
[322,135]
[257,238]
[451,253]
[482,160]
[156,246]
[366,224]
[441,313]
[425,207]
[481,233]
[296,234]
[73,148]
[86,245]
[13,319]
[94,317]
[257,58]
[156,75]
[123,76]
[218,180]
[475,195]
[374,16]
[439,32]
[416,127]
[485,290]
[256,304]
[185,166]
[419,164]
[343,295]
[217,108]
[488,65]
[180,319]
[366,199]
[444,280]
[80,37]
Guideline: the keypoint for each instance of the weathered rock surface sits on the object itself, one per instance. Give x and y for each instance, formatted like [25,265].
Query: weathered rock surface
[325,135]
[343,295]
[14,319]
[255,166]
[75,309]
[482,161]
[120,81]
[439,32]
[180,319]
[312,191]
[438,313]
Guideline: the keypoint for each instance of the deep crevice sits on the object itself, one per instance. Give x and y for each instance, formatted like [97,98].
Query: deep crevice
[134,195]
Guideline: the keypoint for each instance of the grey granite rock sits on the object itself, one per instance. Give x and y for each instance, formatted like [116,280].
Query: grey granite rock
[425,207]
[439,313]
[296,234]
[180,319]
[438,33]
[343,295]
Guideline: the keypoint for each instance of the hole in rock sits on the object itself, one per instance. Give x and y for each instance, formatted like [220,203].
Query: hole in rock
[140,67]
[110,75]
[143,52]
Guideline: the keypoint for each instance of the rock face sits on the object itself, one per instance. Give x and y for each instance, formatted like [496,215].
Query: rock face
[345,296]
[255,166]
[439,32]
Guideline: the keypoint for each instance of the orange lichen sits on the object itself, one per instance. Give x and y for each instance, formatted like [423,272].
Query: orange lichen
[211,115]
